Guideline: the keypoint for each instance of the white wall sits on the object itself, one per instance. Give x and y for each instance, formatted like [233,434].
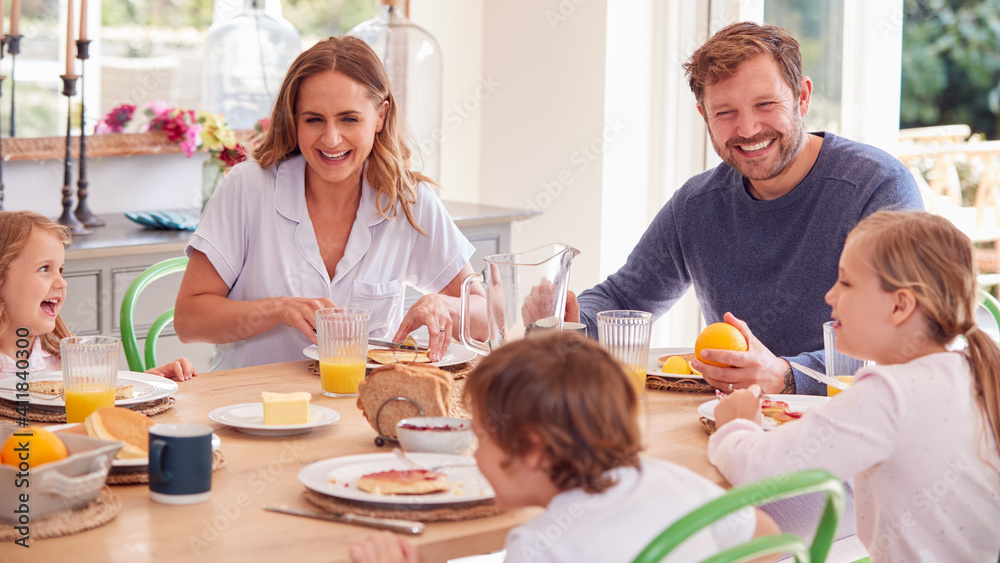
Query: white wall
[549,60]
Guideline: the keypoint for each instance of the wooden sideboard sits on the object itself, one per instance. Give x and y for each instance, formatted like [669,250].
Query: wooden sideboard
[100,267]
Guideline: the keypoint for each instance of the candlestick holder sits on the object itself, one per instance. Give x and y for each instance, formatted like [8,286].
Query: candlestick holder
[83,213]
[13,48]
[67,218]
[3,44]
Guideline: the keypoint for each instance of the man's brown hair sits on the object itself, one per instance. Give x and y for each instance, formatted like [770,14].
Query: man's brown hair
[568,392]
[721,56]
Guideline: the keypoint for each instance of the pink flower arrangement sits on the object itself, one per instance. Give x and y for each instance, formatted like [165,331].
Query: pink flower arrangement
[193,131]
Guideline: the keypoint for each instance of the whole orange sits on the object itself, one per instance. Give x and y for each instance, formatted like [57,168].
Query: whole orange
[43,447]
[719,336]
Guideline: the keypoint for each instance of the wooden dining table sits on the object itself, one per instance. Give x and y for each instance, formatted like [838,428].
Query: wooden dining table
[261,471]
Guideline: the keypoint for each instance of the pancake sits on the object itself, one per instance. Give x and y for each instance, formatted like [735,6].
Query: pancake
[386,357]
[405,482]
[123,425]
[55,387]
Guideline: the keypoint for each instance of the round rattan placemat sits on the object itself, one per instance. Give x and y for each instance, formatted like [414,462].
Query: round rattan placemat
[7,409]
[451,513]
[686,385]
[141,476]
[102,510]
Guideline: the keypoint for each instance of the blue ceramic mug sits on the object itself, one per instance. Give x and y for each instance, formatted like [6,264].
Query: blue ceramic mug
[180,463]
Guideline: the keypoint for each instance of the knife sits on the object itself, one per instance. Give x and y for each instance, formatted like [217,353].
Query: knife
[821,377]
[400,526]
[397,345]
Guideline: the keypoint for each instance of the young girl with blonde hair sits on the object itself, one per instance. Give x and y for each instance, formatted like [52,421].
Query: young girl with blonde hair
[330,214]
[919,430]
[33,291]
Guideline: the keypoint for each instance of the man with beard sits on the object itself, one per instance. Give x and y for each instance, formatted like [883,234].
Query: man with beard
[759,236]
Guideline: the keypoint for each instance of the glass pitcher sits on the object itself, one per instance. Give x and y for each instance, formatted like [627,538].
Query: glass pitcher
[525,292]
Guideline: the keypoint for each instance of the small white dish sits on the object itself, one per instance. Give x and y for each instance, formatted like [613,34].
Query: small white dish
[249,418]
[436,434]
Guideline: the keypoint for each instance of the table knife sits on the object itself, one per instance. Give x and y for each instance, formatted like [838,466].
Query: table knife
[400,526]
[397,345]
[821,377]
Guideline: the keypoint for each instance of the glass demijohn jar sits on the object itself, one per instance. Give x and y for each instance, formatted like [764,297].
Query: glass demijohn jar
[412,58]
[246,58]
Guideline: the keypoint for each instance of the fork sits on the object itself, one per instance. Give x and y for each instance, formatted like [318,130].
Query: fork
[36,394]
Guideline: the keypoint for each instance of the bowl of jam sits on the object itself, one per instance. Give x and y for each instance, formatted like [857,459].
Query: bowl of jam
[436,434]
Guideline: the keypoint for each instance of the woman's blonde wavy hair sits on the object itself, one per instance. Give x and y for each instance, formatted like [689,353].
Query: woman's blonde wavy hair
[928,255]
[15,232]
[389,164]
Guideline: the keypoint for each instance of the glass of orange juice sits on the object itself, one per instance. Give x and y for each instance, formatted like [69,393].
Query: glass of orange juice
[90,374]
[625,335]
[342,335]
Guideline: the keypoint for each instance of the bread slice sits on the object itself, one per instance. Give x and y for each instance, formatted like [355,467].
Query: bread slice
[55,387]
[426,386]
[123,425]
[386,357]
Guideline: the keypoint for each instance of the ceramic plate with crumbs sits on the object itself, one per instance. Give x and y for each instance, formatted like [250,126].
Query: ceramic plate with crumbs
[338,478]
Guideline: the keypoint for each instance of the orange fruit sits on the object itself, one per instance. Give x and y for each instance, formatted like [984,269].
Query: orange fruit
[43,447]
[719,336]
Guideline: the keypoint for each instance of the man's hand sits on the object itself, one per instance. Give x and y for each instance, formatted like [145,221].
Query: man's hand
[756,365]
[744,403]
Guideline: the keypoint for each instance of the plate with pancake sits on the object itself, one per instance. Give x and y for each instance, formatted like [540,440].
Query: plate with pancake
[456,354]
[133,388]
[797,404]
[339,476]
[249,419]
[657,355]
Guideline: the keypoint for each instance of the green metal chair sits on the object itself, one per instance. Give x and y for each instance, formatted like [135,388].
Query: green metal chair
[129,341]
[755,494]
[991,304]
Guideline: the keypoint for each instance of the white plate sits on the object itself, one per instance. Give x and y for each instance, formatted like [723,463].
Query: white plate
[467,483]
[457,354]
[133,463]
[800,403]
[654,367]
[249,418]
[145,387]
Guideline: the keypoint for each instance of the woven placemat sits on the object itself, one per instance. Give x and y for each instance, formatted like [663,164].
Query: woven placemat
[452,513]
[102,510]
[686,385]
[458,371]
[7,409]
[141,476]
[707,425]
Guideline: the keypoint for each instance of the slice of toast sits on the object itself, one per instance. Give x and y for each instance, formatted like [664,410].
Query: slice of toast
[55,387]
[426,386]
[386,357]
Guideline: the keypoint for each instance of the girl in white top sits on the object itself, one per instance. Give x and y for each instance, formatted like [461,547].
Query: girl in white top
[555,416]
[330,214]
[33,291]
[918,432]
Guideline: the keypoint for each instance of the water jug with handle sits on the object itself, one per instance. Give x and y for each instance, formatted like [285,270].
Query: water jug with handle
[525,292]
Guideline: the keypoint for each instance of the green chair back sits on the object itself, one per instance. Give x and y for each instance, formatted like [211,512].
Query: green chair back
[755,494]
[129,341]
[991,304]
